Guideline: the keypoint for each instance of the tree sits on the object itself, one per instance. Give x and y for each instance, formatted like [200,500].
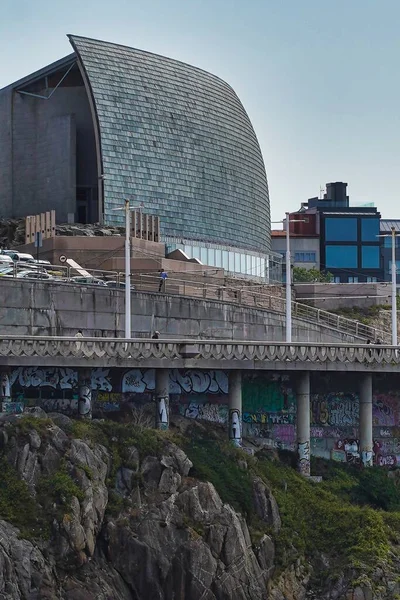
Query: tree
[301,275]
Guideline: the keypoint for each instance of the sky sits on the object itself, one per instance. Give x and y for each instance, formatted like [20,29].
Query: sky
[319,79]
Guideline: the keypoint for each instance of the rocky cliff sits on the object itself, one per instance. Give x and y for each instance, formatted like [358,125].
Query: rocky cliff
[103,511]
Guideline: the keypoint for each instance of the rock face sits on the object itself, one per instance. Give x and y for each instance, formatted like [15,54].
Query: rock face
[122,521]
[175,539]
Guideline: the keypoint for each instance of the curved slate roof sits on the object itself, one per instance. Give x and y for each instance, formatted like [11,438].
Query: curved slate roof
[178,139]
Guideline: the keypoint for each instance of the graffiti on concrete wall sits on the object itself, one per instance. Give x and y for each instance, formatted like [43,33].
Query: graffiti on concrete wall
[335,409]
[303,454]
[208,411]
[386,409]
[58,378]
[180,382]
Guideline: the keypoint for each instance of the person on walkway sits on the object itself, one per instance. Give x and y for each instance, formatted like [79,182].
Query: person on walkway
[156,336]
[79,334]
[163,278]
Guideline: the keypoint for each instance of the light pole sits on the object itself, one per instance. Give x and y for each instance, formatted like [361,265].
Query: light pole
[394,285]
[127,208]
[288,310]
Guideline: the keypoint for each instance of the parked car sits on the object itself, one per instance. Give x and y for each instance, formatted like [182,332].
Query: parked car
[5,260]
[88,281]
[18,256]
[30,274]
[118,284]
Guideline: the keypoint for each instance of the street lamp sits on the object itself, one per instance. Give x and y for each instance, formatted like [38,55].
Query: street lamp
[289,275]
[394,282]
[127,208]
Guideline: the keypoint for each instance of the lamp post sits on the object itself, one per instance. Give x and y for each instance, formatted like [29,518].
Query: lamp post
[127,208]
[288,309]
[394,285]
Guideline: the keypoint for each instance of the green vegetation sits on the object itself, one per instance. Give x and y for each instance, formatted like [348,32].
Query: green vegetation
[302,275]
[364,315]
[351,516]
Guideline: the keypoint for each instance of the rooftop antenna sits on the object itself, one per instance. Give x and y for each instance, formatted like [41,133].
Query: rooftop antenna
[321,192]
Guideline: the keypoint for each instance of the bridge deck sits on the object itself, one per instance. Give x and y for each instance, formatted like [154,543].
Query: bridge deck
[202,354]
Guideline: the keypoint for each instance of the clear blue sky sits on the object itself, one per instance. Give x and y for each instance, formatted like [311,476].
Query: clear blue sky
[319,79]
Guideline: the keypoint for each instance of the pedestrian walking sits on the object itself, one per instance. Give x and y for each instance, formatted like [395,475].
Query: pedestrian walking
[163,278]
[156,336]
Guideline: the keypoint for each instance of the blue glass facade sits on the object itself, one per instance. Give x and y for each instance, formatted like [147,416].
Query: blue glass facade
[339,257]
[369,230]
[179,140]
[370,257]
[341,229]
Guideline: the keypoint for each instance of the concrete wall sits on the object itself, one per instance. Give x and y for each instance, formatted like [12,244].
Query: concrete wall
[5,153]
[344,295]
[39,308]
[47,148]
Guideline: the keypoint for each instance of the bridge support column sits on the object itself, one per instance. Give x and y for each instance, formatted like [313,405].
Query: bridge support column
[366,436]
[162,398]
[235,407]
[85,393]
[5,388]
[303,423]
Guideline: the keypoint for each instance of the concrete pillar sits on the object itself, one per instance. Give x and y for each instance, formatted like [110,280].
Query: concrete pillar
[235,407]
[84,393]
[303,423]
[162,398]
[5,388]
[366,437]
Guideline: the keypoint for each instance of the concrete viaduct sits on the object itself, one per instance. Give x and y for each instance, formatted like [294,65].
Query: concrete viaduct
[235,357]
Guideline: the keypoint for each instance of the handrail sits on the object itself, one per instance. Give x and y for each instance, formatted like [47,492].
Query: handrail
[244,295]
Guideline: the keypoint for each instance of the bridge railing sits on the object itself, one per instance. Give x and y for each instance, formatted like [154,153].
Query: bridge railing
[251,295]
[90,349]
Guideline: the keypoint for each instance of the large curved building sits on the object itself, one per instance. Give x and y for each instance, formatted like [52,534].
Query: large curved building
[109,122]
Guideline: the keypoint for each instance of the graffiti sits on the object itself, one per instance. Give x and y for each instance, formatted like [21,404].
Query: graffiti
[338,455]
[274,418]
[108,402]
[303,453]
[207,411]
[12,407]
[58,378]
[386,409]
[319,411]
[317,432]
[101,380]
[180,382]
[390,460]
[367,458]
[85,400]
[285,434]
[162,412]
[235,427]
[335,409]
[351,449]
[63,405]
[385,433]
[5,391]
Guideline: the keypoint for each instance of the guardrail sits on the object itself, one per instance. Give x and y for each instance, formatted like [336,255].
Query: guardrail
[252,295]
[117,349]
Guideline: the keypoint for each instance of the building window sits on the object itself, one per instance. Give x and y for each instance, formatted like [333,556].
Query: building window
[371,280]
[335,279]
[352,279]
[387,242]
[369,230]
[370,257]
[341,230]
[397,266]
[341,257]
[304,257]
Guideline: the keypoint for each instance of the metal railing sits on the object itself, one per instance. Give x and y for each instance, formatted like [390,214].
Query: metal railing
[234,291]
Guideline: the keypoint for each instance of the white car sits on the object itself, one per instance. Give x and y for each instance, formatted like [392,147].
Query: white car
[33,275]
[88,281]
